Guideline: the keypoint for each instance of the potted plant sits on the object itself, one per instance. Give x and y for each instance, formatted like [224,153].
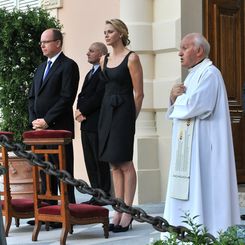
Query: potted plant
[20,55]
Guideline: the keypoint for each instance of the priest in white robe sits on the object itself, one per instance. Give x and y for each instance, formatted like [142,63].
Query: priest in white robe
[202,177]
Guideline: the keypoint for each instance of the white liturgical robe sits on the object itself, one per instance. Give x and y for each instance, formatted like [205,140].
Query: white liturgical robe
[211,191]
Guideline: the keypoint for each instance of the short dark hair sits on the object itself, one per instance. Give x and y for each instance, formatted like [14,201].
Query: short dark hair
[57,35]
[102,47]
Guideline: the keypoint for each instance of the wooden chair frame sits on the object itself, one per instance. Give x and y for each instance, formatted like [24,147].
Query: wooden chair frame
[8,210]
[65,217]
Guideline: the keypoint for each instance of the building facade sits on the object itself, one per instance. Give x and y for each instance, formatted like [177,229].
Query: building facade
[155,30]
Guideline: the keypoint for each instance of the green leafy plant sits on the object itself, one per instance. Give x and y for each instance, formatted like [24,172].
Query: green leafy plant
[20,55]
[198,235]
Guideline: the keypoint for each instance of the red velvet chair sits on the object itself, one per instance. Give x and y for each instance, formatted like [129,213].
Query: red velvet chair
[65,213]
[22,208]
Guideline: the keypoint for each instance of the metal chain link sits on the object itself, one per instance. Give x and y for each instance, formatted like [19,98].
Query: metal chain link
[138,214]
[2,170]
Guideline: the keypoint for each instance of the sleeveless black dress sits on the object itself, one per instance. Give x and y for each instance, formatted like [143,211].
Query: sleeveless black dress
[116,126]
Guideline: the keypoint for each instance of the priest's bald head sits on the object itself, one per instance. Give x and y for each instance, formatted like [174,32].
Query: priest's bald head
[193,49]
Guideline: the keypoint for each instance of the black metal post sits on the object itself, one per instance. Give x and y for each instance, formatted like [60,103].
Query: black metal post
[2,234]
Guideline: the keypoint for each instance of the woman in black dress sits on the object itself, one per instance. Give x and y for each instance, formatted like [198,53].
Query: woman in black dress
[121,105]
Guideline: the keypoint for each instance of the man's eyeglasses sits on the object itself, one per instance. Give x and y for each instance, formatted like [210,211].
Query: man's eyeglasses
[46,42]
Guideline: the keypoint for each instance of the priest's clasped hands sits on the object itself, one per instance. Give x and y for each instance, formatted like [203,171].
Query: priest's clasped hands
[177,90]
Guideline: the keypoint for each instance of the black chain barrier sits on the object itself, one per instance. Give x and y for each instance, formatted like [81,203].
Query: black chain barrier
[138,214]
[2,235]
[2,170]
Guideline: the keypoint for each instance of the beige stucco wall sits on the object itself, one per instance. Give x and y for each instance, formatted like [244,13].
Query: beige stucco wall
[155,30]
[83,23]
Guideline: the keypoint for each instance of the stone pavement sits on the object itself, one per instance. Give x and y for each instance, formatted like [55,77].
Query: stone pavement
[140,234]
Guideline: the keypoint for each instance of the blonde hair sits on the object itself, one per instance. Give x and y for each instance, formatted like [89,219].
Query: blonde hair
[121,27]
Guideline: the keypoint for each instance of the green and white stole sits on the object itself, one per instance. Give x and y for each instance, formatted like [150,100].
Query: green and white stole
[180,174]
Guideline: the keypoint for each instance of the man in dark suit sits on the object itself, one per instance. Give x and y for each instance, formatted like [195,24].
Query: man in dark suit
[52,95]
[88,109]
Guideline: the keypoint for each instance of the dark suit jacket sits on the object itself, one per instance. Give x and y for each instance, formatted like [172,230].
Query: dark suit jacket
[89,101]
[53,99]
